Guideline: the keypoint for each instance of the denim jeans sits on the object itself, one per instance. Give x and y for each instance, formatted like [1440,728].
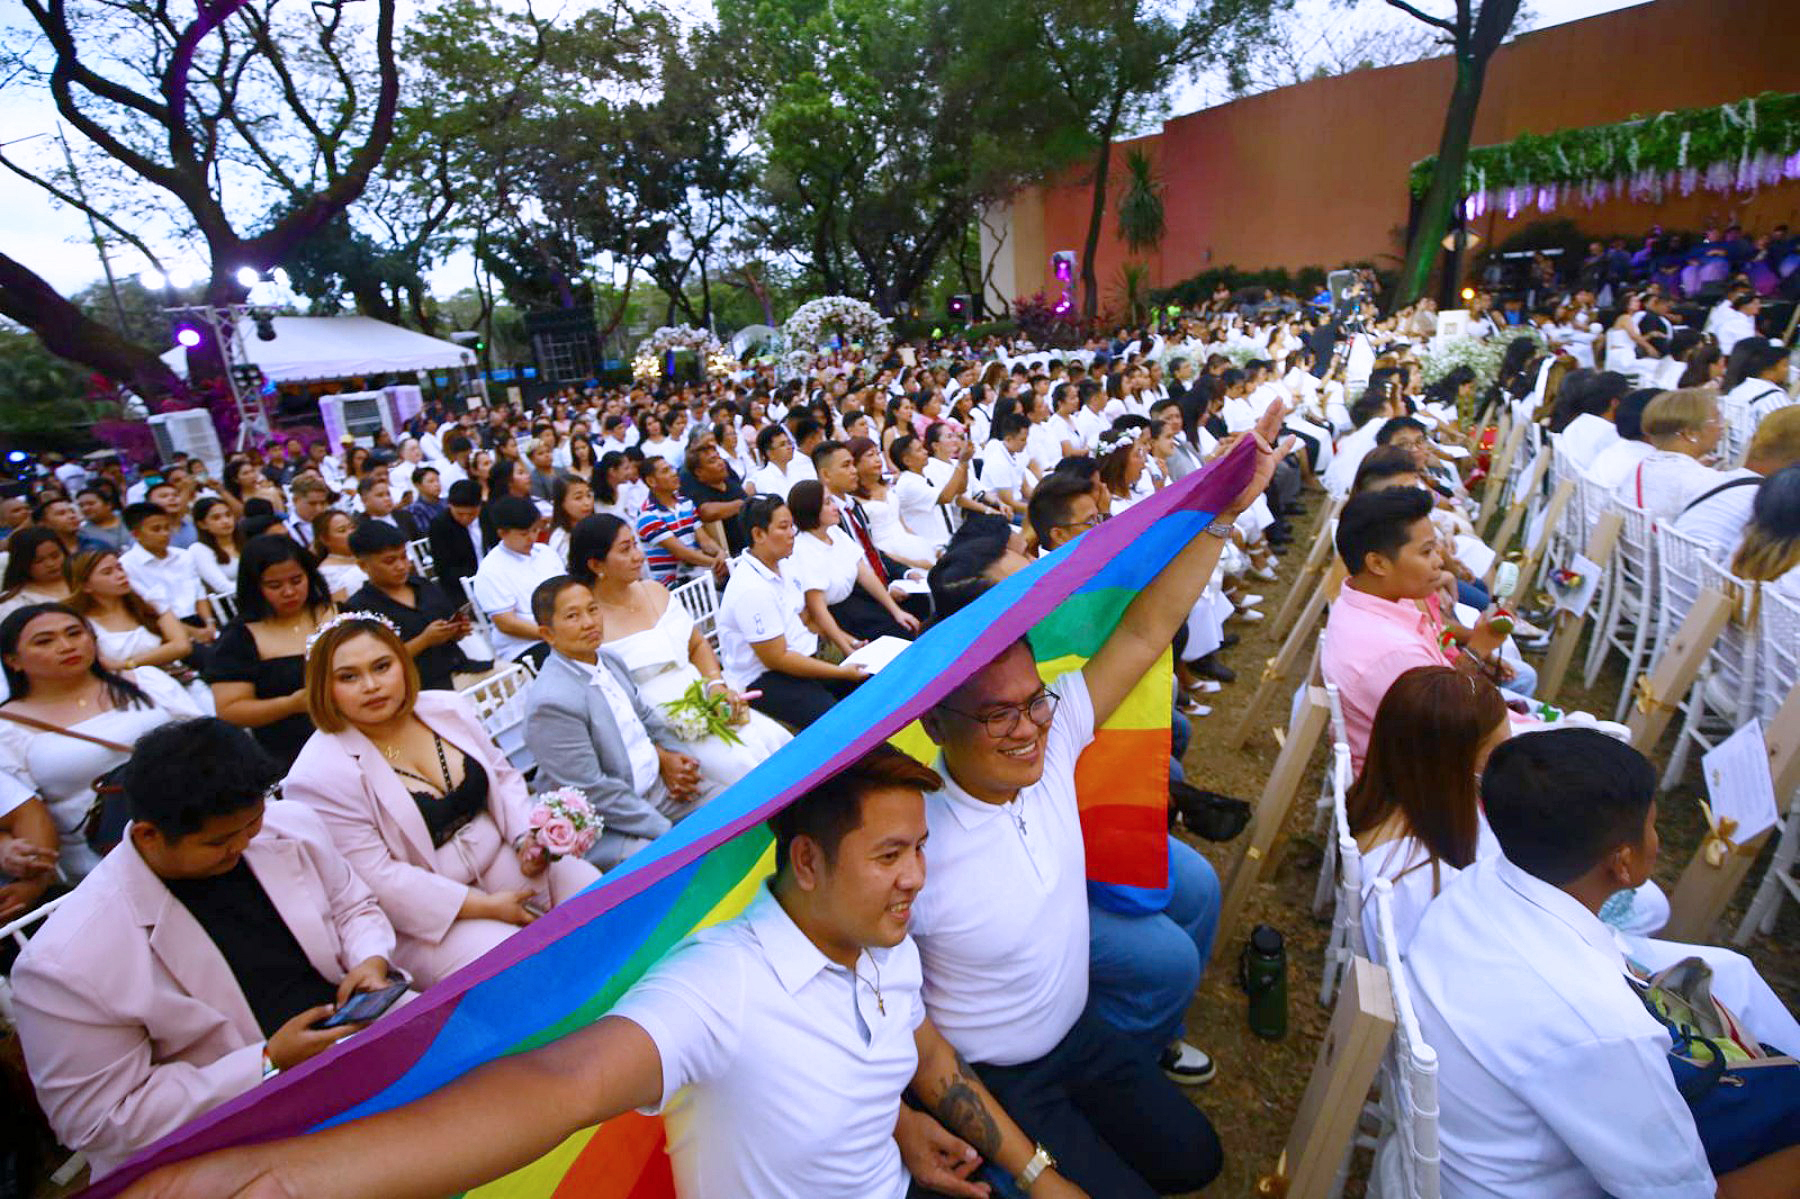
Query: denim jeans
[1143,970]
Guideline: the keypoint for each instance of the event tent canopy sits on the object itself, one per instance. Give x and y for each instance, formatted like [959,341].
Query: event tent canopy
[337,347]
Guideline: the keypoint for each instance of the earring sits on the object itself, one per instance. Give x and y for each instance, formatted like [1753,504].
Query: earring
[599,576]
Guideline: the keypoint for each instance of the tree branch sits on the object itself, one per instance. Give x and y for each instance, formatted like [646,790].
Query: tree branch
[1443,23]
[81,205]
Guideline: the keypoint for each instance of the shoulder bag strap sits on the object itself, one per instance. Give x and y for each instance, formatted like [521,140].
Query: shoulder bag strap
[1723,487]
[45,726]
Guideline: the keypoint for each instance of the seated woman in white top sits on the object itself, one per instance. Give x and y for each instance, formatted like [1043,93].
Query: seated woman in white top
[55,677]
[131,632]
[1682,428]
[37,569]
[926,508]
[1414,809]
[216,547]
[845,602]
[662,648]
[331,533]
[430,814]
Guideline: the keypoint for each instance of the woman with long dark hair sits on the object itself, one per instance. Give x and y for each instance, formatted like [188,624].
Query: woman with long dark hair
[128,628]
[218,543]
[70,719]
[258,668]
[37,569]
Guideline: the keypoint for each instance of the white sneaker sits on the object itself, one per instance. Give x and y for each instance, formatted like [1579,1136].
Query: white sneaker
[1264,573]
[1247,615]
[1187,1064]
[1207,687]
[1249,601]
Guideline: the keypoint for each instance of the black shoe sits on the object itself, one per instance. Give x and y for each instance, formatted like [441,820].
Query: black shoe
[1229,640]
[1208,666]
[1294,509]
[1278,536]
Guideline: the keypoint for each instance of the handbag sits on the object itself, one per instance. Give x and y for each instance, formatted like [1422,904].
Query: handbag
[1207,814]
[104,825]
[1745,1097]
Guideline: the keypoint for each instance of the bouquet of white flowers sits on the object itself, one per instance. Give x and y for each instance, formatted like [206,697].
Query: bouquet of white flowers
[698,715]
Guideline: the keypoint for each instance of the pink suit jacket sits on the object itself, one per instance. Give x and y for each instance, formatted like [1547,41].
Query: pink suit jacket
[376,823]
[130,1019]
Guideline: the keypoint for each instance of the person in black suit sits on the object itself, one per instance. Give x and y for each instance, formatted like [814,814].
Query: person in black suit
[457,545]
[378,504]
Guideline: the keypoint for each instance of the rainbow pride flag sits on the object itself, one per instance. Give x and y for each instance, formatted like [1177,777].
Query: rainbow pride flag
[568,968]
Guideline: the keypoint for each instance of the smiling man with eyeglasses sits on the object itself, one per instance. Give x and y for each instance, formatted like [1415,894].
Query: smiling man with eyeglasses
[1003,930]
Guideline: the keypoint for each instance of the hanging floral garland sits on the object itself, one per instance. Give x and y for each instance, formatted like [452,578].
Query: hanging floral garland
[715,359]
[1734,147]
[816,320]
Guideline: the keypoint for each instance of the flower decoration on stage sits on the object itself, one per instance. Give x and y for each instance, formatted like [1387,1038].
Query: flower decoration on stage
[700,714]
[817,320]
[564,823]
[715,359]
[1741,147]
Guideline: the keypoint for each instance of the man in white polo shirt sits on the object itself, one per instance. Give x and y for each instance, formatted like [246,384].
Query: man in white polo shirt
[509,573]
[776,1045]
[1003,932]
[764,646]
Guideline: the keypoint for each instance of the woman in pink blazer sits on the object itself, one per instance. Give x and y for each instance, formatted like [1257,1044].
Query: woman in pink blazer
[426,808]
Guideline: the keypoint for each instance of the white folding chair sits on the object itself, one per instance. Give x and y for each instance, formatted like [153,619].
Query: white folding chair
[499,701]
[1724,692]
[701,599]
[1678,558]
[1631,607]
[1346,939]
[1407,1159]
[1780,674]
[15,931]
[224,606]
[420,553]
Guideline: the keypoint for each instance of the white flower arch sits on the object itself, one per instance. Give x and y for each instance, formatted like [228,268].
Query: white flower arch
[816,320]
[647,363]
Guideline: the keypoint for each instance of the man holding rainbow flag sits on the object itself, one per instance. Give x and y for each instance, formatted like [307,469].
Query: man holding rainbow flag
[999,966]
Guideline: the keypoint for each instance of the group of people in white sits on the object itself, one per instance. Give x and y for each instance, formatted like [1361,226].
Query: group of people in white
[268,806]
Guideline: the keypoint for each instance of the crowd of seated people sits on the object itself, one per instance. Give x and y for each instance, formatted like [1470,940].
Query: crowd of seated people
[363,591]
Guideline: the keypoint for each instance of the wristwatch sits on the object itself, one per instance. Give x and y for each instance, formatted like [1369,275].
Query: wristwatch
[1222,529]
[1040,1161]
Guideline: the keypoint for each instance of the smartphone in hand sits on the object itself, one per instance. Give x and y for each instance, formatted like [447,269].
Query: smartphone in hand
[364,1006]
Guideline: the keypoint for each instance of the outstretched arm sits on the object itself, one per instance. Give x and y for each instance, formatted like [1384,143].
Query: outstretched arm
[1150,622]
[523,1106]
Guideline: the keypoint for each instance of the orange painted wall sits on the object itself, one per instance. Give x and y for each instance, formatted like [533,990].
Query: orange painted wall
[1316,174]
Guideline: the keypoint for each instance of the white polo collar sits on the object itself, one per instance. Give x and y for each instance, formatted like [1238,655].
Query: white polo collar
[756,565]
[970,812]
[1560,904]
[790,953]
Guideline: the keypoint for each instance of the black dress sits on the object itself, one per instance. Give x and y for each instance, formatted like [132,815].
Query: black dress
[235,660]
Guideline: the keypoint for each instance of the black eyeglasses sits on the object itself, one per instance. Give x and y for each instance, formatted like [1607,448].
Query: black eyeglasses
[1003,719]
[1092,522]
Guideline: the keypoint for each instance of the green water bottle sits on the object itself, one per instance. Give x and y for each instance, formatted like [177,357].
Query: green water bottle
[1262,973]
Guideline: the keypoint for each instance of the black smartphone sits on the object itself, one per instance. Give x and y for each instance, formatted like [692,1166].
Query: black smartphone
[364,1006]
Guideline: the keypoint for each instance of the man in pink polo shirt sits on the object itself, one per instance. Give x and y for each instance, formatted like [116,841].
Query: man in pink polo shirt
[1384,622]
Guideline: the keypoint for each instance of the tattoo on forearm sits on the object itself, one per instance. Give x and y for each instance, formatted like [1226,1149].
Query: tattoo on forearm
[962,1106]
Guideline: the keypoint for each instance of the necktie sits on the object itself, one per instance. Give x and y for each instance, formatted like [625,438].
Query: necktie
[859,528]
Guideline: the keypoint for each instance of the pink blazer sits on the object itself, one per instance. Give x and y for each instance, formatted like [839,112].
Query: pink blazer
[130,1019]
[375,821]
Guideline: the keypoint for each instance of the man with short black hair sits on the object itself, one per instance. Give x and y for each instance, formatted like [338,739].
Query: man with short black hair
[378,505]
[1553,1077]
[717,492]
[457,546]
[61,517]
[789,1033]
[102,527]
[1387,617]
[509,574]
[428,483]
[429,623]
[197,960]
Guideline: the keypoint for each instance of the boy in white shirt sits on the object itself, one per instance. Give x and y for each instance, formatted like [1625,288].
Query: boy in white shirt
[1554,1078]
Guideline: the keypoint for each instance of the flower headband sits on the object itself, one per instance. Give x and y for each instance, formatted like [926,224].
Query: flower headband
[344,618]
[1118,439]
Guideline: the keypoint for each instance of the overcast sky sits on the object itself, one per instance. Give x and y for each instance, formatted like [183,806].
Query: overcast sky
[53,240]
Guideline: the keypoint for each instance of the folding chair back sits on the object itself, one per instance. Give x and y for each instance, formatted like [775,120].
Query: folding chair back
[1408,1156]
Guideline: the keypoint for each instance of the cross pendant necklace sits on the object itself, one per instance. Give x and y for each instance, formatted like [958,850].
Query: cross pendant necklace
[880,1003]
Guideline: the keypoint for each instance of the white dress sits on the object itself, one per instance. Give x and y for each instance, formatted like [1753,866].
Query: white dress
[217,579]
[61,770]
[892,537]
[657,658]
[137,641]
